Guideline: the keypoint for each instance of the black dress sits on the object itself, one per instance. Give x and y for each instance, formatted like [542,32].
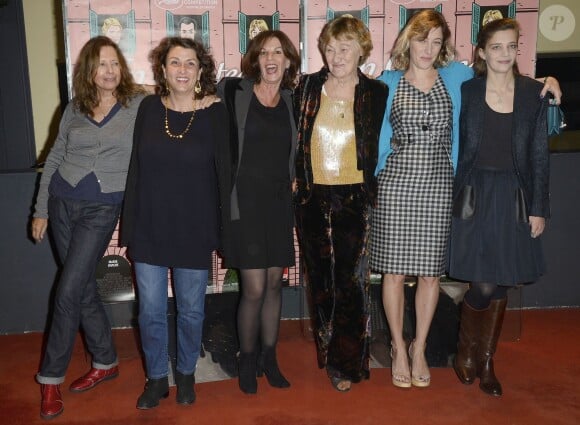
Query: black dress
[263,236]
[494,244]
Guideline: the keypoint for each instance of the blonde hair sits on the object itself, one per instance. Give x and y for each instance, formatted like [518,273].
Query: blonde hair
[258,24]
[347,27]
[110,22]
[418,27]
[491,15]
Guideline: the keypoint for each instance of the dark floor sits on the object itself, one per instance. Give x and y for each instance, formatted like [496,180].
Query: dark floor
[540,375]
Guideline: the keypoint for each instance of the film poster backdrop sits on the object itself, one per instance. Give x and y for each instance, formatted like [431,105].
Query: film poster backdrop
[227,26]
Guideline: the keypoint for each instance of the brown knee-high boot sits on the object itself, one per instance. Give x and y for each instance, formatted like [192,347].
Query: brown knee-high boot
[465,362]
[490,330]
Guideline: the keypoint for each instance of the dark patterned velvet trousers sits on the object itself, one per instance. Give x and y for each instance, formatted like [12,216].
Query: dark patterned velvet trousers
[333,230]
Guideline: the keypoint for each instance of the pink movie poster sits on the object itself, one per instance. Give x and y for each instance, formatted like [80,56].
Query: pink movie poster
[226,27]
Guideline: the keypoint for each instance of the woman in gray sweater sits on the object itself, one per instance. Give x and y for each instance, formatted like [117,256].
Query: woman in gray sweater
[81,191]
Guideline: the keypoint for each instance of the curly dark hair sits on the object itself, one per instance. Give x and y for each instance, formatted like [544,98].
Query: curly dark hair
[84,87]
[251,64]
[158,59]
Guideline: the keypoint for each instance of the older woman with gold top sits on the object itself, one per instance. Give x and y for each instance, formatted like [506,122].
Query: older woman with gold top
[340,112]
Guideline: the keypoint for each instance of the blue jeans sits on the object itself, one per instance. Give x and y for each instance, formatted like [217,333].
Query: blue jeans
[189,287]
[81,231]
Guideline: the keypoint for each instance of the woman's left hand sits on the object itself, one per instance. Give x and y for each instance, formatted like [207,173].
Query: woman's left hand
[551,85]
[537,225]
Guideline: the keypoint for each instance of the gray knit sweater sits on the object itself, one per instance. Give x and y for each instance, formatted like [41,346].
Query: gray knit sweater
[82,147]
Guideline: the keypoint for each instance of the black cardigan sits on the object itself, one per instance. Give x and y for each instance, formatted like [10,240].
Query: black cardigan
[529,140]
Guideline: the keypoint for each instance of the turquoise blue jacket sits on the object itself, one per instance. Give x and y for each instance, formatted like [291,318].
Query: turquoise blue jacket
[453,76]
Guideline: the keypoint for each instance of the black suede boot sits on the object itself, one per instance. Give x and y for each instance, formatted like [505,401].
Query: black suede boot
[490,331]
[185,389]
[247,373]
[155,390]
[268,364]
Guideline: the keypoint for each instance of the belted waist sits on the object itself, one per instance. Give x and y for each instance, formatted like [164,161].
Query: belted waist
[406,139]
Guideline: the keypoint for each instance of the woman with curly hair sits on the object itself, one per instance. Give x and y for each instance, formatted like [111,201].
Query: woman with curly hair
[171,212]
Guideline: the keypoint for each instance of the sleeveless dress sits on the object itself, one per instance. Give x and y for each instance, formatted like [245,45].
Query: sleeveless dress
[412,218]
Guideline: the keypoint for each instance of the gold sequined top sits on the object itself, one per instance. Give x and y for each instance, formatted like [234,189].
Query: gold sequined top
[333,144]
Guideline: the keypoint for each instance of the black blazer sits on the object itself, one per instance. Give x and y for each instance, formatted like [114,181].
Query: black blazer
[237,93]
[529,140]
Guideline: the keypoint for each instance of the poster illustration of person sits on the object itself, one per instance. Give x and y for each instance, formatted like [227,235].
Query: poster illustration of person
[119,27]
[250,26]
[195,27]
[482,14]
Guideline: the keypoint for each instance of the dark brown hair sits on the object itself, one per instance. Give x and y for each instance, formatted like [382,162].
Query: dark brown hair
[251,64]
[158,59]
[485,34]
[419,26]
[86,95]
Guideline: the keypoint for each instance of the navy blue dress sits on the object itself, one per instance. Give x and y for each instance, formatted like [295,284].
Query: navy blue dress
[494,244]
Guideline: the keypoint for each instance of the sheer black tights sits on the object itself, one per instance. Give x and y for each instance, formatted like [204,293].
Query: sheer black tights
[260,307]
[480,294]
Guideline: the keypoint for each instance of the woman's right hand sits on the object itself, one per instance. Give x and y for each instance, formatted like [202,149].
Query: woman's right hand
[38,228]
[206,101]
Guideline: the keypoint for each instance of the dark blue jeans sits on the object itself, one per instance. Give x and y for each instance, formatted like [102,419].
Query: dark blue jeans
[82,231]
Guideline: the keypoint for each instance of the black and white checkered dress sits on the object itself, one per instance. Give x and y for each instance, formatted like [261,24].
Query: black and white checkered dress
[411,222]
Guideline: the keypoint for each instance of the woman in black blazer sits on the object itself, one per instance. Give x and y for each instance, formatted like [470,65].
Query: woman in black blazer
[501,198]
[257,212]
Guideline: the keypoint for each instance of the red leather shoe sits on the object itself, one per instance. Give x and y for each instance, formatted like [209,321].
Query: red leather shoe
[51,405]
[92,378]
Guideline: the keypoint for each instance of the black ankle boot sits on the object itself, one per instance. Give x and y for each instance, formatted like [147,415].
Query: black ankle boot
[247,373]
[185,390]
[269,366]
[155,390]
